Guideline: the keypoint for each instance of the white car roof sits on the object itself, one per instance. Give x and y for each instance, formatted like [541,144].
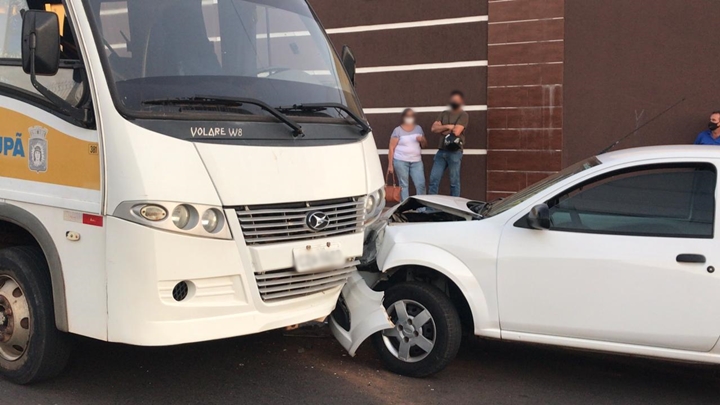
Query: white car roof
[666,151]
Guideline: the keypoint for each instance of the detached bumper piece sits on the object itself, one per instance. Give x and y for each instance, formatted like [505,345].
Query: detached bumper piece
[358,315]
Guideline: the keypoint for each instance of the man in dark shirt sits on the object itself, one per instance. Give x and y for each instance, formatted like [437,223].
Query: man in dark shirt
[451,125]
[712,135]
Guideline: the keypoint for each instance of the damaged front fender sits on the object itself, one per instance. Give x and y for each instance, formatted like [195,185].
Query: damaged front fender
[359,314]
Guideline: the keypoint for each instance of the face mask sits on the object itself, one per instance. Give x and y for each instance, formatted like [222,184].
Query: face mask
[713,126]
[455,106]
[409,120]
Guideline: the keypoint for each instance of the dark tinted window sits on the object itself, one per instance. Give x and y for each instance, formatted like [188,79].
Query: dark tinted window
[675,200]
[521,196]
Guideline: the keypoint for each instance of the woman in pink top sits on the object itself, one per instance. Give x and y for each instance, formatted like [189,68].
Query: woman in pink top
[405,155]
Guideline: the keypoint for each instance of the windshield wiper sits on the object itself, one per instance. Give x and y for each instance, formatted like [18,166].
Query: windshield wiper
[365,128]
[230,102]
[489,206]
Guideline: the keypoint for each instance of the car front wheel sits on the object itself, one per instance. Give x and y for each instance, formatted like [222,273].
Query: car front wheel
[427,332]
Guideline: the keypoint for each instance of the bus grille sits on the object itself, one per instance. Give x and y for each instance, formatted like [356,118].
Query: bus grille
[286,284]
[288,222]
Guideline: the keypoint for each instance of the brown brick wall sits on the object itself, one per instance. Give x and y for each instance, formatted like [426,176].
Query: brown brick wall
[419,45]
[628,61]
[525,92]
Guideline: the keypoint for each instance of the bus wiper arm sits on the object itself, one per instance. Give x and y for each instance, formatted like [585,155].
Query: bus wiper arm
[234,102]
[366,129]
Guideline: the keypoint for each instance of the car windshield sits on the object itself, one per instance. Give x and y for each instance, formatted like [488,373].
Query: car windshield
[503,205]
[274,51]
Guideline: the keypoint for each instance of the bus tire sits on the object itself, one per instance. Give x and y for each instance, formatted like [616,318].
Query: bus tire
[31,347]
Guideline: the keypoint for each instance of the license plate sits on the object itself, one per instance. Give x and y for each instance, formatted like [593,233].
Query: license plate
[318,257]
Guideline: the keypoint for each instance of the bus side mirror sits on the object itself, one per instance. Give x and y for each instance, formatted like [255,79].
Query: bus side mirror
[539,217]
[40,43]
[41,56]
[349,62]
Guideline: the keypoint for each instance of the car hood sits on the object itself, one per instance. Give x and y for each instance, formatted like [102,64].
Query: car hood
[457,206]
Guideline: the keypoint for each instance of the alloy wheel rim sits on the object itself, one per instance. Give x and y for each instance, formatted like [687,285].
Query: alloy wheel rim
[14,319]
[414,335]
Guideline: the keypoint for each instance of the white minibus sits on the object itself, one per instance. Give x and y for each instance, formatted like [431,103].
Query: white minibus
[174,171]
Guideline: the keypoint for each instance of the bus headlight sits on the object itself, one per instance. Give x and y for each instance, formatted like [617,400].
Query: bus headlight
[182,215]
[183,218]
[374,204]
[212,220]
[153,212]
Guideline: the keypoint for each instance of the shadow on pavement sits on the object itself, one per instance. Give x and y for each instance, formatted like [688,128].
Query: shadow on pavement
[309,367]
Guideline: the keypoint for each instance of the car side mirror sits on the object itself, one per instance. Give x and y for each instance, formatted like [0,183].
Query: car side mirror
[539,217]
[40,42]
[349,62]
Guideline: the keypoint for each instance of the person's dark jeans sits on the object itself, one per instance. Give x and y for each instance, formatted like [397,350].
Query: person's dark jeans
[445,160]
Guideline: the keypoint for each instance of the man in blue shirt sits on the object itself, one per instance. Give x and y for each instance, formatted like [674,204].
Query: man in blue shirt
[712,135]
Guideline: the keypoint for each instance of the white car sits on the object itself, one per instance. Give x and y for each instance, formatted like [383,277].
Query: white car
[616,253]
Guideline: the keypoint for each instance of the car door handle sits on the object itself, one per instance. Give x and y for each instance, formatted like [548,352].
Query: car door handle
[690,258]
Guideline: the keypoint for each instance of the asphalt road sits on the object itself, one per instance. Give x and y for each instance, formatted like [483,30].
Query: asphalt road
[307,366]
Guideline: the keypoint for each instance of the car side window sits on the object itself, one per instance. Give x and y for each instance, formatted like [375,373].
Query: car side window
[676,200]
[68,83]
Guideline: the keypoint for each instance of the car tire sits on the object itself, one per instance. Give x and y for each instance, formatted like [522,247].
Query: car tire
[443,329]
[31,347]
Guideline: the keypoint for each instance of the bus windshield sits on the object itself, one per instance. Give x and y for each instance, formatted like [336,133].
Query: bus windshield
[274,51]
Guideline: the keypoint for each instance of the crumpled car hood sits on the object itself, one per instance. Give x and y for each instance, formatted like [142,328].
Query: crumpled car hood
[452,205]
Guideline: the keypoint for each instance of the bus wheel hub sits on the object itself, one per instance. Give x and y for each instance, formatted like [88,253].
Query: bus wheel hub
[14,319]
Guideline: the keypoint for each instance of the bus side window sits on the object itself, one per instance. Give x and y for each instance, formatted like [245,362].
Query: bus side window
[11,28]
[66,83]
[68,46]
[69,49]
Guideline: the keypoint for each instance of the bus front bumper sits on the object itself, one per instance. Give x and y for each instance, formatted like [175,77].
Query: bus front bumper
[146,270]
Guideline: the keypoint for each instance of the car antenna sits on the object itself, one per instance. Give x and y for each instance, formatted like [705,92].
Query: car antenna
[667,110]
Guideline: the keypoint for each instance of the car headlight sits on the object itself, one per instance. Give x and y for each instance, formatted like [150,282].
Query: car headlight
[183,218]
[374,205]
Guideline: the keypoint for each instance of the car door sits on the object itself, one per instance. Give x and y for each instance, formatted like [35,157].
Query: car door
[629,258]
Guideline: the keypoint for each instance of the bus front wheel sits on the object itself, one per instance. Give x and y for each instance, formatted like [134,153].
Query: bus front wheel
[31,347]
